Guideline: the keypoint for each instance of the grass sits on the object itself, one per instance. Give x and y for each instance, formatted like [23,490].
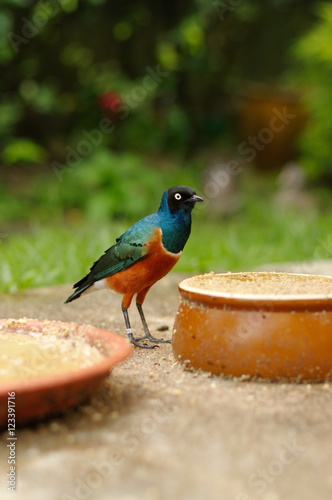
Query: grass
[49,255]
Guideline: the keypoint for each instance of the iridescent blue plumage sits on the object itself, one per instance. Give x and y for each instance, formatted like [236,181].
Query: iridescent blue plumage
[175,225]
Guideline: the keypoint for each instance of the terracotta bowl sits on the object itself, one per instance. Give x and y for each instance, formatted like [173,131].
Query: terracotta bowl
[49,394]
[269,325]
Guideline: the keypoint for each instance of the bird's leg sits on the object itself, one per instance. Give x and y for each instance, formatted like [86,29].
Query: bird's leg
[148,335]
[130,332]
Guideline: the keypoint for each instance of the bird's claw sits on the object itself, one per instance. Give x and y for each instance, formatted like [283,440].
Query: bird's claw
[154,339]
[136,343]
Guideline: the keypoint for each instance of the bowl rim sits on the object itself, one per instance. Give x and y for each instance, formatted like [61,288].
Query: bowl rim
[120,350]
[306,301]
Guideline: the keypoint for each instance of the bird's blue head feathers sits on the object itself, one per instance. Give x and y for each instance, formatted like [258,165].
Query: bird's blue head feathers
[175,216]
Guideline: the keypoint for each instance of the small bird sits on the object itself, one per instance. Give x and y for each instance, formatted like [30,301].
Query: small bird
[143,255]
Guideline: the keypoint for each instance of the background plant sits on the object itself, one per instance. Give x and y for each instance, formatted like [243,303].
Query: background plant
[85,62]
[313,72]
[55,78]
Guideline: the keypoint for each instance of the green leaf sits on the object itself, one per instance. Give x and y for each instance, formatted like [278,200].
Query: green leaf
[23,150]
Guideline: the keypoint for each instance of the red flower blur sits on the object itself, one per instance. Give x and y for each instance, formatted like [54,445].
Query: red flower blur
[110,101]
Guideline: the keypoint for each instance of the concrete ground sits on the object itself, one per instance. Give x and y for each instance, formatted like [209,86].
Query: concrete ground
[157,432]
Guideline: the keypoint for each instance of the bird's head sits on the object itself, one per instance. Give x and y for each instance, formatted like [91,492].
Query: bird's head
[180,198]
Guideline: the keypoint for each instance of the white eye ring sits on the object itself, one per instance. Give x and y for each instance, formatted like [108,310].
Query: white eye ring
[177,196]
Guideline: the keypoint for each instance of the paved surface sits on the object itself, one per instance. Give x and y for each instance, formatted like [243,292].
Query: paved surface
[157,432]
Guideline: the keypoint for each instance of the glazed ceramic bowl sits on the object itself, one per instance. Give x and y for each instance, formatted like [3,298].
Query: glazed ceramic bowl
[52,393]
[256,324]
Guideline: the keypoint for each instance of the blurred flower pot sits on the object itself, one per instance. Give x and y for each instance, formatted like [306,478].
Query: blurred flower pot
[269,123]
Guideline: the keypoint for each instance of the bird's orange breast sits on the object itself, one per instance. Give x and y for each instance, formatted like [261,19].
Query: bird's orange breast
[144,273]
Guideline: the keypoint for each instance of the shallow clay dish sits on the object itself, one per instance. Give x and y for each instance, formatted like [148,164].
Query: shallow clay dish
[270,325]
[39,393]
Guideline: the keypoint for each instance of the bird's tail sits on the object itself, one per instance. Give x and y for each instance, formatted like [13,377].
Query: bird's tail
[78,293]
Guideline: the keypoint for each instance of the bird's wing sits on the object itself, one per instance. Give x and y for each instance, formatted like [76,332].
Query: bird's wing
[128,249]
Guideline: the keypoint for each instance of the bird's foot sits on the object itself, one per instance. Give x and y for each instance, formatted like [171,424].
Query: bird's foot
[149,337]
[136,342]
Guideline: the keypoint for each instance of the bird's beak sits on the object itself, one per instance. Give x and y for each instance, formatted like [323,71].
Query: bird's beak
[194,198]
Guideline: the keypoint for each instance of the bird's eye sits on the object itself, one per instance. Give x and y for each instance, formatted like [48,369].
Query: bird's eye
[177,196]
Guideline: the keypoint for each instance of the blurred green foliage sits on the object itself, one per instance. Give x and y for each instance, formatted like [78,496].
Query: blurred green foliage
[313,72]
[105,104]
[23,151]
[60,58]
[101,187]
